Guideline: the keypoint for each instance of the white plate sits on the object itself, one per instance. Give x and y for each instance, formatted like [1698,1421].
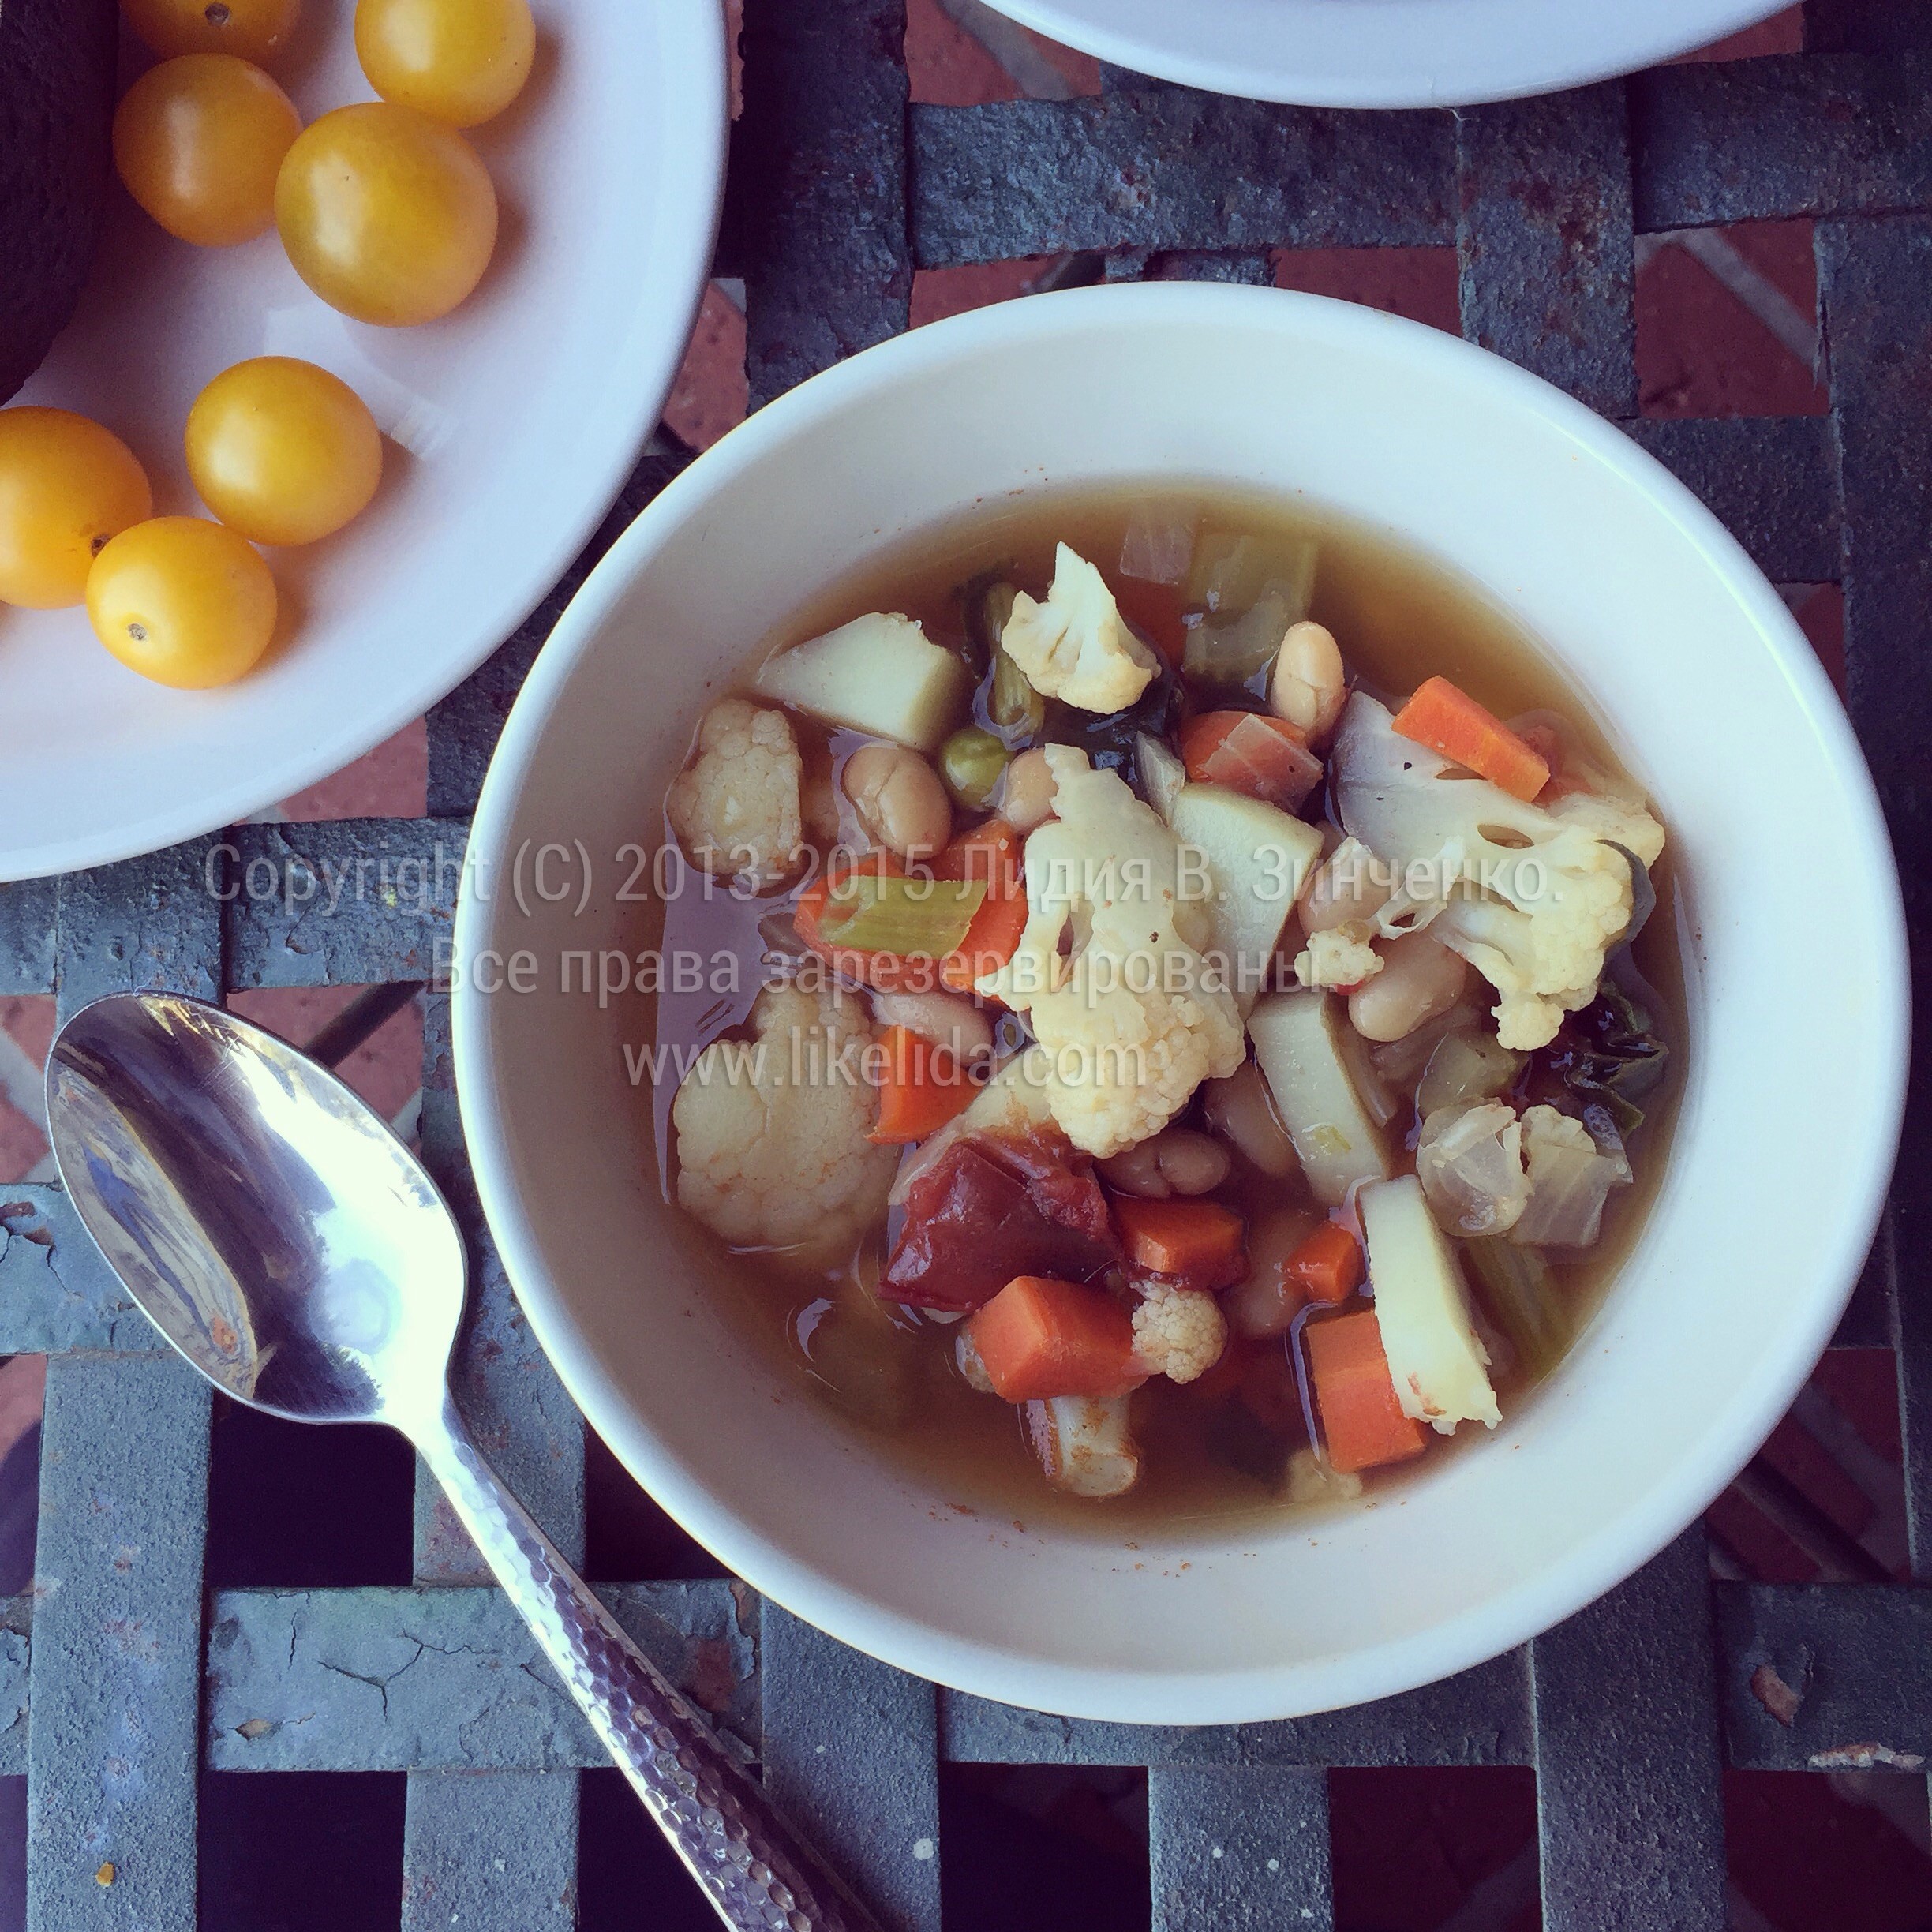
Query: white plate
[523,412]
[1385,53]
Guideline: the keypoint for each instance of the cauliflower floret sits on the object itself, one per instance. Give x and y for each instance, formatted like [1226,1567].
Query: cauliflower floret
[1616,820]
[1074,646]
[772,1146]
[1085,1443]
[1178,1332]
[1311,1481]
[1341,956]
[1532,898]
[1132,1020]
[736,811]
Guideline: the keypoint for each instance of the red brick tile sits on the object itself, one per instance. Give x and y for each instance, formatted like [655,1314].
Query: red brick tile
[391,782]
[1764,1550]
[949,67]
[941,292]
[1701,352]
[23,1145]
[1417,282]
[1797,1456]
[22,1395]
[709,394]
[1820,616]
[1862,1384]
[29,1018]
[385,1069]
[1784,33]
[1410,1845]
[1812,1863]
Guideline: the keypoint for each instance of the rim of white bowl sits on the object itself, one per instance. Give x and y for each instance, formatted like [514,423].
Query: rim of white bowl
[1640,1529]
[1387,53]
[642,380]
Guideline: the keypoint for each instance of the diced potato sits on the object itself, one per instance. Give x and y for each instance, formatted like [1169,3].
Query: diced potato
[1436,1359]
[879,674]
[1298,1040]
[1257,856]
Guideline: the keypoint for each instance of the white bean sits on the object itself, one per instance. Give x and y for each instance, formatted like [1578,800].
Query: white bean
[1026,797]
[899,799]
[1266,1304]
[1309,686]
[1420,978]
[1349,885]
[947,1020]
[1178,1161]
[1240,1110]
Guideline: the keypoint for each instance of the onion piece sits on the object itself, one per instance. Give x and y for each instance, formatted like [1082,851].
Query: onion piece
[1467,1066]
[1470,1160]
[1158,545]
[1571,1171]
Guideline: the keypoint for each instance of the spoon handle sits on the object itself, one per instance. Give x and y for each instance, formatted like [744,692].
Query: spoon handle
[755,1869]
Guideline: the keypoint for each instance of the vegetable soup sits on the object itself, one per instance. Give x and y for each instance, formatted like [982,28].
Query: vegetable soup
[1206,1028]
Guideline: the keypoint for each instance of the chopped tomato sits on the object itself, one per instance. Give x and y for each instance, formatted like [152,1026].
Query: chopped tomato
[993,1207]
[1248,752]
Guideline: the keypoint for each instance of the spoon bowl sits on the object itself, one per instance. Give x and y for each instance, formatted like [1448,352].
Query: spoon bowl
[286,1242]
[268,1223]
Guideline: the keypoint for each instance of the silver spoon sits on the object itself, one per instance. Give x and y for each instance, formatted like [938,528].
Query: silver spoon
[287,1244]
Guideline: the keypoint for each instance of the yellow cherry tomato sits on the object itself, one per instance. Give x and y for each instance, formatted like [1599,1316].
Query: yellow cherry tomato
[66,485]
[256,29]
[182,601]
[386,214]
[458,61]
[282,451]
[197,141]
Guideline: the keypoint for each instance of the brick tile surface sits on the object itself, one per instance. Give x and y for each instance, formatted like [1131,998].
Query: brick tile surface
[1417,282]
[385,1069]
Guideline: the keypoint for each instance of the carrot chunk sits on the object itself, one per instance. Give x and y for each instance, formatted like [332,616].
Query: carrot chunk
[1039,1338]
[1446,719]
[989,851]
[921,1088]
[1328,1264]
[1200,1243]
[1362,1422]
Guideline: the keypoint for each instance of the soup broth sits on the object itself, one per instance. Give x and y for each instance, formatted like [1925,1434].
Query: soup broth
[1223,1446]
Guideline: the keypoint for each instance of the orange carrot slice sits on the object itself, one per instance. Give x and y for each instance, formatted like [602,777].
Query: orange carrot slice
[1446,719]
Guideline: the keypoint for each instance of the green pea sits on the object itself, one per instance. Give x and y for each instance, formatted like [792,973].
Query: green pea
[971,762]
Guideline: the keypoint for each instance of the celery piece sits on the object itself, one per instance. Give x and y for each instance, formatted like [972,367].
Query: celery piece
[1233,651]
[912,917]
[987,602]
[1229,572]
[1519,1291]
[1016,710]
